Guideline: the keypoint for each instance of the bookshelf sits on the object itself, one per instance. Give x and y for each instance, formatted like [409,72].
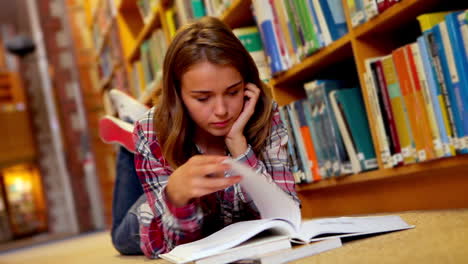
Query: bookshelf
[435,184]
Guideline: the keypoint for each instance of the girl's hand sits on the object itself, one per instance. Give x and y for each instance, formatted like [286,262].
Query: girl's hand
[235,137]
[199,176]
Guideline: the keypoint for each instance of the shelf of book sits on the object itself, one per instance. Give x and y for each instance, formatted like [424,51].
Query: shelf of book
[395,16]
[337,51]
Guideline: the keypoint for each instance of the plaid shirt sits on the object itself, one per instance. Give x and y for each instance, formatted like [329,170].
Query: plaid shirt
[164,226]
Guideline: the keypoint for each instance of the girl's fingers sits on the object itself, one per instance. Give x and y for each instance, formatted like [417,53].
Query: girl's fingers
[199,160]
[210,169]
[216,184]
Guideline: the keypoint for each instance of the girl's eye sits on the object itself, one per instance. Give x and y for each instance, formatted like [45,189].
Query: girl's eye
[234,92]
[202,99]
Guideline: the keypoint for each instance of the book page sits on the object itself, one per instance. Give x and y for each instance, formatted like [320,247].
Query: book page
[271,201]
[228,237]
[353,225]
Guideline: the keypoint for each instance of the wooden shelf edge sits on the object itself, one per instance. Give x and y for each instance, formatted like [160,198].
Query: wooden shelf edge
[392,16]
[107,80]
[231,15]
[418,169]
[152,89]
[313,60]
[145,32]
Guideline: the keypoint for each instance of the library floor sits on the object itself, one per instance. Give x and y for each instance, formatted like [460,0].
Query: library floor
[439,237]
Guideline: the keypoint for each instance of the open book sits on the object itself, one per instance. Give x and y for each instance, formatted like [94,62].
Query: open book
[281,215]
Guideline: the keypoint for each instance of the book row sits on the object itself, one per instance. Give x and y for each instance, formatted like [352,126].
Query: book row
[419,93]
[418,103]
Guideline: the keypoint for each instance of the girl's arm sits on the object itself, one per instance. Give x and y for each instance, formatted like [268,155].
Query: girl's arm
[273,160]
[162,225]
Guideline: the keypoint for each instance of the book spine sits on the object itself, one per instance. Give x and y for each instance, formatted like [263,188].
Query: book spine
[264,16]
[388,114]
[296,166]
[312,124]
[427,100]
[306,165]
[344,128]
[438,104]
[408,96]
[307,140]
[422,118]
[460,82]
[400,110]
[442,91]
[335,18]
[376,116]
[371,8]
[311,40]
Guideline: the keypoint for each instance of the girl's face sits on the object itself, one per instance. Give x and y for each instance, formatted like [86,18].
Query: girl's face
[213,96]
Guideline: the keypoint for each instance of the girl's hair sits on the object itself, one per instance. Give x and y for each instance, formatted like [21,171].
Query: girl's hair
[206,40]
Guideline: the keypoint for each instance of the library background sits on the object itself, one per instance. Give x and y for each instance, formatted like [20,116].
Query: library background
[374,94]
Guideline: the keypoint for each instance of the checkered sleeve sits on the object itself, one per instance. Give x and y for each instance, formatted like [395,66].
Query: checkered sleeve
[162,225]
[273,162]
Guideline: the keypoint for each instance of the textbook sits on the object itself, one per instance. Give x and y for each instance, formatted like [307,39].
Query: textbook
[280,214]
[297,252]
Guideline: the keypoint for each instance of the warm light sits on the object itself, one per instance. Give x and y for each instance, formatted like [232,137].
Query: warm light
[18,181]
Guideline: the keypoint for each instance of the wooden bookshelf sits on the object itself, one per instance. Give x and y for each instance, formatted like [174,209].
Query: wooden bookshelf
[239,14]
[153,23]
[337,51]
[434,184]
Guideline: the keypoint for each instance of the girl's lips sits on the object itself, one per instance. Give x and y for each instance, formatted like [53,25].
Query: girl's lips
[221,124]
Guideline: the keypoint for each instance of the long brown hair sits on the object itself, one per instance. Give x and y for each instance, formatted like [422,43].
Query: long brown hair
[207,39]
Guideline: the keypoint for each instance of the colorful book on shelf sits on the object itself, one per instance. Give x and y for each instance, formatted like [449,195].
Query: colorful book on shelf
[382,132]
[437,99]
[357,12]
[429,20]
[423,118]
[345,131]
[284,23]
[297,32]
[294,155]
[323,159]
[311,43]
[252,41]
[333,13]
[387,112]
[455,22]
[442,92]
[399,109]
[349,107]
[382,5]
[265,20]
[282,217]
[411,96]
[319,24]
[427,100]
[317,92]
[296,129]
[370,6]
[198,8]
[451,78]
[307,139]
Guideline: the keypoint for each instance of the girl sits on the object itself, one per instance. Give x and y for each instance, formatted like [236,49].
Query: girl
[213,105]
